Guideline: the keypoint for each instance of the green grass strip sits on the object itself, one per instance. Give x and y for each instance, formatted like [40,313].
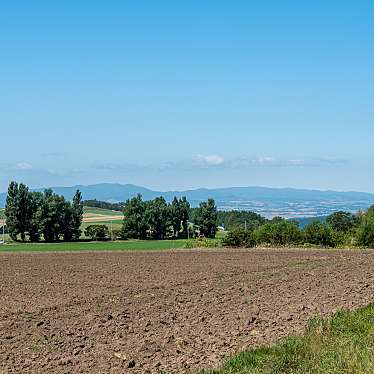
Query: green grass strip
[131,245]
[343,343]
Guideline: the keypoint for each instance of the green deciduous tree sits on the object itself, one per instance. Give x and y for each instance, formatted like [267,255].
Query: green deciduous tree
[243,219]
[52,216]
[157,218]
[342,221]
[134,222]
[19,210]
[34,228]
[206,218]
[179,211]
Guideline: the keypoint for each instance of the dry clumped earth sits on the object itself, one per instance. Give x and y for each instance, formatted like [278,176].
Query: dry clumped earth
[173,312]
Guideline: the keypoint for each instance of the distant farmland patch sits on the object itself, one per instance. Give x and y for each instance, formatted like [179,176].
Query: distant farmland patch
[101,216]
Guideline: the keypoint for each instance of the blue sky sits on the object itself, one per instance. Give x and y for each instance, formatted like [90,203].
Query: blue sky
[175,95]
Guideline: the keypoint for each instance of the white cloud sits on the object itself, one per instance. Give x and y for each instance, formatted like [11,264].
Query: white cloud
[212,160]
[263,160]
[296,162]
[24,166]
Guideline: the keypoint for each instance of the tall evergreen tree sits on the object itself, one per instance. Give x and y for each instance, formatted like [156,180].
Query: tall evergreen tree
[24,210]
[11,210]
[185,208]
[76,215]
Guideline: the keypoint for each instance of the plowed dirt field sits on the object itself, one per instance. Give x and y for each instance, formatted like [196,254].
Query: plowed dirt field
[174,312]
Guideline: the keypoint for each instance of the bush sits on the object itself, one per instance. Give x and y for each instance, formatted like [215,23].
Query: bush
[279,233]
[319,233]
[119,235]
[97,232]
[365,232]
[239,238]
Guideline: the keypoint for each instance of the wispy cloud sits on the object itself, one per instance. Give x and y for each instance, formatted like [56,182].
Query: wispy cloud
[209,160]
[35,175]
[15,167]
[55,154]
[244,162]
[23,166]
[120,167]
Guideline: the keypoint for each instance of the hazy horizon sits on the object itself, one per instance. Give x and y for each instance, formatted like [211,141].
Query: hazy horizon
[189,189]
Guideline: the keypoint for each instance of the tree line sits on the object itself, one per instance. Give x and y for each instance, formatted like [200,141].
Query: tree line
[93,203]
[46,215]
[227,219]
[156,219]
[341,229]
[239,218]
[33,215]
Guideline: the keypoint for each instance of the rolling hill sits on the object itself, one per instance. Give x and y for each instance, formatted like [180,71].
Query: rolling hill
[286,202]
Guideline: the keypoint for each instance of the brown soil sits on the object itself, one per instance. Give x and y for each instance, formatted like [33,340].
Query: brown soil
[165,311]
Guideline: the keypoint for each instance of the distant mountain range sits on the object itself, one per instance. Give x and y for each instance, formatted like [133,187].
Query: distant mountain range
[285,202]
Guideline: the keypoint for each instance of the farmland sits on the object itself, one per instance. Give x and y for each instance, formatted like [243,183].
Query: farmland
[171,311]
[97,216]
[130,245]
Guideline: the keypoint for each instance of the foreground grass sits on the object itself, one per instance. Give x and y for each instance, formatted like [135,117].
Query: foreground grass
[133,245]
[343,343]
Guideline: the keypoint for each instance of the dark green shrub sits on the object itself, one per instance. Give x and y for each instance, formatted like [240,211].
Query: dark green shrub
[118,235]
[365,232]
[319,233]
[279,233]
[239,238]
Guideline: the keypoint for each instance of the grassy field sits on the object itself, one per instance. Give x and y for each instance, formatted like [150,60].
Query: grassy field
[117,224]
[99,211]
[131,245]
[343,343]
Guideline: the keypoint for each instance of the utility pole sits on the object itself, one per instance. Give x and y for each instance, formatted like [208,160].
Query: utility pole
[245,225]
